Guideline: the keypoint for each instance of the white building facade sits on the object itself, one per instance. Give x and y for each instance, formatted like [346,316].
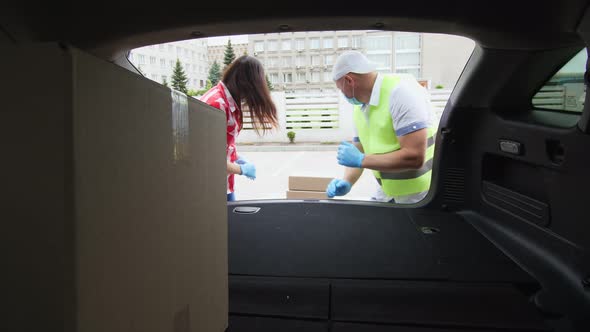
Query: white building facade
[302,61]
[157,62]
[217,52]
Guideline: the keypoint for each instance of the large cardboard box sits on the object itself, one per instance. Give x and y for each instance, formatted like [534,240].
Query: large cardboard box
[307,187]
[114,206]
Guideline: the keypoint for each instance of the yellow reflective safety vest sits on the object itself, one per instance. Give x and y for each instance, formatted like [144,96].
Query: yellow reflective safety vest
[377,135]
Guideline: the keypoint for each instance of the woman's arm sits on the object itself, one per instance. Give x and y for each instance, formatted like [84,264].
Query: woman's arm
[233,168]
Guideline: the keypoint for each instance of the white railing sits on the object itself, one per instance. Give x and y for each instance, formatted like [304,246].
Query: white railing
[312,111]
[319,117]
[551,97]
[438,100]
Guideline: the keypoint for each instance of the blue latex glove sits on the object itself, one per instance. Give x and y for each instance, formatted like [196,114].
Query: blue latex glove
[241,160]
[248,170]
[349,155]
[338,187]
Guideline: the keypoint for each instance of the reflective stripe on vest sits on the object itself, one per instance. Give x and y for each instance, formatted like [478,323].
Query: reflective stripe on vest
[377,136]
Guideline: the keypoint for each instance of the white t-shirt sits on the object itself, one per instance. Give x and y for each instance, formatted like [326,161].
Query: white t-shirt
[410,109]
[409,105]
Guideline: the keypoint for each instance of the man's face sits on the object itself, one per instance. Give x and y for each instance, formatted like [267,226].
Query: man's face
[345,85]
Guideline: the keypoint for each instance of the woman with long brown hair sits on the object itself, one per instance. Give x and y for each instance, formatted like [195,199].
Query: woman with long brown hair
[242,89]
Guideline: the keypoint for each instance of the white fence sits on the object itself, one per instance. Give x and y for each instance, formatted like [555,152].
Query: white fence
[552,97]
[565,97]
[319,117]
[438,100]
[312,111]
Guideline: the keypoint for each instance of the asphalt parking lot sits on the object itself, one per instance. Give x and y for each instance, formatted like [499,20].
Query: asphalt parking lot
[273,169]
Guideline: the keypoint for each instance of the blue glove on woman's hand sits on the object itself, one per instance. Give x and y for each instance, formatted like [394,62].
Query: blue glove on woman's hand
[241,160]
[249,170]
[349,155]
[338,187]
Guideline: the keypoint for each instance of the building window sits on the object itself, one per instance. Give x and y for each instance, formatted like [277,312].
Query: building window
[286,45]
[273,62]
[259,46]
[299,44]
[410,59]
[274,78]
[300,61]
[327,76]
[171,63]
[272,45]
[161,47]
[314,43]
[407,53]
[357,41]
[378,43]
[170,48]
[383,61]
[287,61]
[315,76]
[201,84]
[288,78]
[152,60]
[163,63]
[315,60]
[328,43]
[342,42]
[301,77]
[407,41]
[329,60]
[141,59]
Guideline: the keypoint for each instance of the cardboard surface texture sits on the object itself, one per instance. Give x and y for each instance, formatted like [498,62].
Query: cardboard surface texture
[308,183]
[307,187]
[118,221]
[294,194]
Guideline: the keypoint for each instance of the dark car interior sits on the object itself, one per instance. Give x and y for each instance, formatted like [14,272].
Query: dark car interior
[501,242]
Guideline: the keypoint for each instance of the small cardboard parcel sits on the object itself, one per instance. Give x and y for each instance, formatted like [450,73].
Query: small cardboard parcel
[307,187]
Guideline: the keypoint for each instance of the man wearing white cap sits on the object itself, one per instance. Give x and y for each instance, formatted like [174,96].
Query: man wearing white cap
[394,133]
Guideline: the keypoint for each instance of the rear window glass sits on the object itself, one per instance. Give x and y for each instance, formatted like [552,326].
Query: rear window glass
[298,159]
[565,91]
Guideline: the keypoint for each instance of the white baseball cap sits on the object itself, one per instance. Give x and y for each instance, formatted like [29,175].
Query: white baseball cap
[352,62]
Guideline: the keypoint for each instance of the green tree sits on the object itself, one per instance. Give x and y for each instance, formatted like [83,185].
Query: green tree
[165,83]
[214,73]
[228,54]
[269,84]
[179,78]
[208,86]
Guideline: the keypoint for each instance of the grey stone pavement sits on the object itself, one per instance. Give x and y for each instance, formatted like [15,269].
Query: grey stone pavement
[275,163]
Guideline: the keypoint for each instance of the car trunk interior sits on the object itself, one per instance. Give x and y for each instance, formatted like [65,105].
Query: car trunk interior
[329,266]
[501,242]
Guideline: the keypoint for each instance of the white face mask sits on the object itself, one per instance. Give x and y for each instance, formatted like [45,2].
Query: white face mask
[352,99]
